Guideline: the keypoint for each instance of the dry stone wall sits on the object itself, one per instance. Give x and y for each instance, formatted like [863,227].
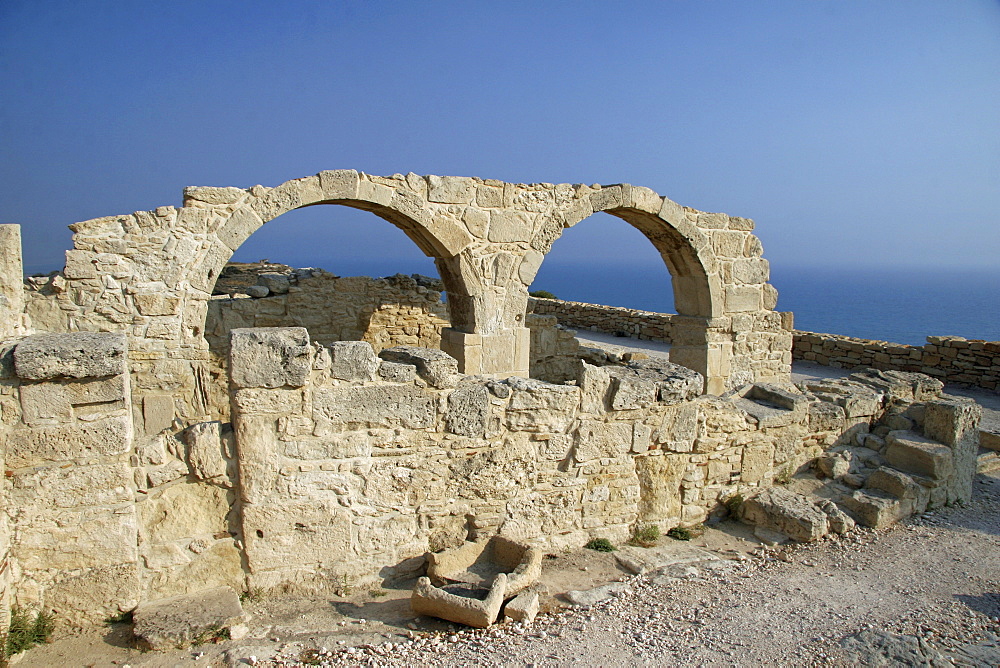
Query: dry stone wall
[393,311]
[951,359]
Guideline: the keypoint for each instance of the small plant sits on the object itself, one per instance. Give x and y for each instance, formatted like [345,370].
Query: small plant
[214,635]
[733,504]
[542,294]
[784,476]
[26,631]
[600,545]
[311,657]
[680,533]
[646,536]
[377,592]
[252,595]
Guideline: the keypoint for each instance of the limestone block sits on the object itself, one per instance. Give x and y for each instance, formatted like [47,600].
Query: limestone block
[266,401]
[101,537]
[629,391]
[73,486]
[257,292]
[256,439]
[75,355]
[395,372]
[175,622]
[541,407]
[523,608]
[44,403]
[375,406]
[43,444]
[642,436]
[206,453]
[161,475]
[91,595]
[313,532]
[451,189]
[476,221]
[529,266]
[840,522]
[218,565]
[826,416]
[508,226]
[353,360]
[955,422]
[157,303]
[913,453]
[751,271]
[469,410]
[436,367]
[741,299]
[781,510]
[277,284]
[678,424]
[595,440]
[212,195]
[184,511]
[990,439]
[901,486]
[157,412]
[726,244]
[900,385]
[337,446]
[339,183]
[833,465]
[270,357]
[757,462]
[876,509]
[80,264]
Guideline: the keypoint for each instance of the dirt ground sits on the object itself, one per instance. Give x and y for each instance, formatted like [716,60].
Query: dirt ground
[925,592]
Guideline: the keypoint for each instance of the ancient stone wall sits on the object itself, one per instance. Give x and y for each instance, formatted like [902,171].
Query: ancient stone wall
[344,467]
[951,359]
[643,325]
[393,311]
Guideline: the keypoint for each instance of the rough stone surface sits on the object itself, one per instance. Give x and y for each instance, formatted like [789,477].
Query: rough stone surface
[789,513]
[180,620]
[77,355]
[353,360]
[272,357]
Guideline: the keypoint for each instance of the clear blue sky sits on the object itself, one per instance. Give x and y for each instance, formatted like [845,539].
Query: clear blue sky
[854,133]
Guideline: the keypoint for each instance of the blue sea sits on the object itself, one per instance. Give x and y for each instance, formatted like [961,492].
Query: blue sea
[897,305]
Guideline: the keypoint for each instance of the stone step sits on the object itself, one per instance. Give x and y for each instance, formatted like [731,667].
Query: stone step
[876,508]
[989,439]
[913,453]
[987,461]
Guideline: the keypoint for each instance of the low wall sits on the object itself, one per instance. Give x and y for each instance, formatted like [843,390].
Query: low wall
[951,359]
[644,325]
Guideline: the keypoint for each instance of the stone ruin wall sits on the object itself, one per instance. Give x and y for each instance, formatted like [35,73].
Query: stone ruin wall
[343,468]
[125,481]
[951,359]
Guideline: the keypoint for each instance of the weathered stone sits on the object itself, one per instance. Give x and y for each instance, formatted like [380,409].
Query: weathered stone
[76,355]
[876,509]
[353,360]
[791,514]
[598,439]
[434,602]
[469,410]
[206,453]
[178,621]
[541,407]
[276,284]
[44,444]
[184,511]
[436,367]
[270,357]
[914,453]
[395,372]
[375,406]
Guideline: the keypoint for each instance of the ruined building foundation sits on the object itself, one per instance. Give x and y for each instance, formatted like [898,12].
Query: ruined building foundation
[159,440]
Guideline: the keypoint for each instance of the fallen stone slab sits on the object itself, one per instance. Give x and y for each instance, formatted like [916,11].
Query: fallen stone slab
[597,594]
[781,510]
[523,607]
[641,560]
[879,648]
[179,621]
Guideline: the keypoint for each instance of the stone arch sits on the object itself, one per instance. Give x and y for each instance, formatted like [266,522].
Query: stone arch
[400,206]
[687,252]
